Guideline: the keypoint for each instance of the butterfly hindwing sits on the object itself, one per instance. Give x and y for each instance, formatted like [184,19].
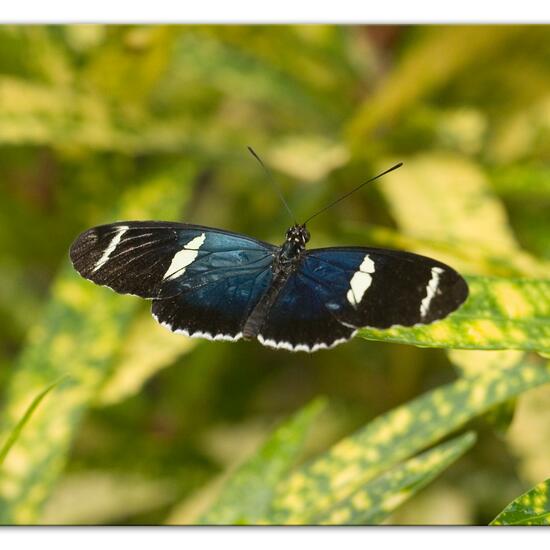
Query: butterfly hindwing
[218,307]
[299,319]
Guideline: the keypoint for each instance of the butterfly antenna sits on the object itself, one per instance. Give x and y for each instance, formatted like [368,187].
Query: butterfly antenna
[273,182]
[353,190]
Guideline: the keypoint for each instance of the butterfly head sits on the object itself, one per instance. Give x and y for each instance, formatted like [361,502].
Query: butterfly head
[296,238]
[298,234]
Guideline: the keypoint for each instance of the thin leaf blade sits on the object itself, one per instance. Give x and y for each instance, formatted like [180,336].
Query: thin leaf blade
[247,495]
[374,502]
[18,428]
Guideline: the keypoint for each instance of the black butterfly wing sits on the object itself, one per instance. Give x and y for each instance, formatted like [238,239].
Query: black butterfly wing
[337,290]
[202,281]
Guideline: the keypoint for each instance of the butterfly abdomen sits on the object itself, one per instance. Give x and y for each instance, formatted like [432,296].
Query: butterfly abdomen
[257,317]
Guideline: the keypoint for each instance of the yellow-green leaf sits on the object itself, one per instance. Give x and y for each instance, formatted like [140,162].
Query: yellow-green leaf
[531,508]
[420,72]
[447,198]
[498,314]
[372,503]
[247,495]
[105,497]
[35,113]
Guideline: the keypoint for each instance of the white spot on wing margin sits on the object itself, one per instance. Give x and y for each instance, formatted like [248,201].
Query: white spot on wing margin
[184,257]
[111,248]
[266,342]
[360,281]
[431,289]
[302,347]
[199,333]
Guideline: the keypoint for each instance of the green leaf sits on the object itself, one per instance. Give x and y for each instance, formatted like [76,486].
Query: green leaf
[244,76]
[247,495]
[14,434]
[81,331]
[499,314]
[521,181]
[400,433]
[531,508]
[372,503]
[475,362]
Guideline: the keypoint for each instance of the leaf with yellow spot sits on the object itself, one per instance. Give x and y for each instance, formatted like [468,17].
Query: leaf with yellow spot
[372,503]
[531,508]
[393,437]
[79,336]
[247,495]
[474,362]
[493,317]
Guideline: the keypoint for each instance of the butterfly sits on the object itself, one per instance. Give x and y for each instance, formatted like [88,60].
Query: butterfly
[216,284]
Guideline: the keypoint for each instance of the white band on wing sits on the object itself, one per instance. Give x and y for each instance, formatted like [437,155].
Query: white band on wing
[184,257]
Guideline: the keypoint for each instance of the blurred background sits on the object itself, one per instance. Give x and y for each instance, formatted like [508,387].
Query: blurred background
[92,116]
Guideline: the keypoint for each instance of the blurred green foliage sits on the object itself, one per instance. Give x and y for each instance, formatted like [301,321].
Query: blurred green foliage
[106,122]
